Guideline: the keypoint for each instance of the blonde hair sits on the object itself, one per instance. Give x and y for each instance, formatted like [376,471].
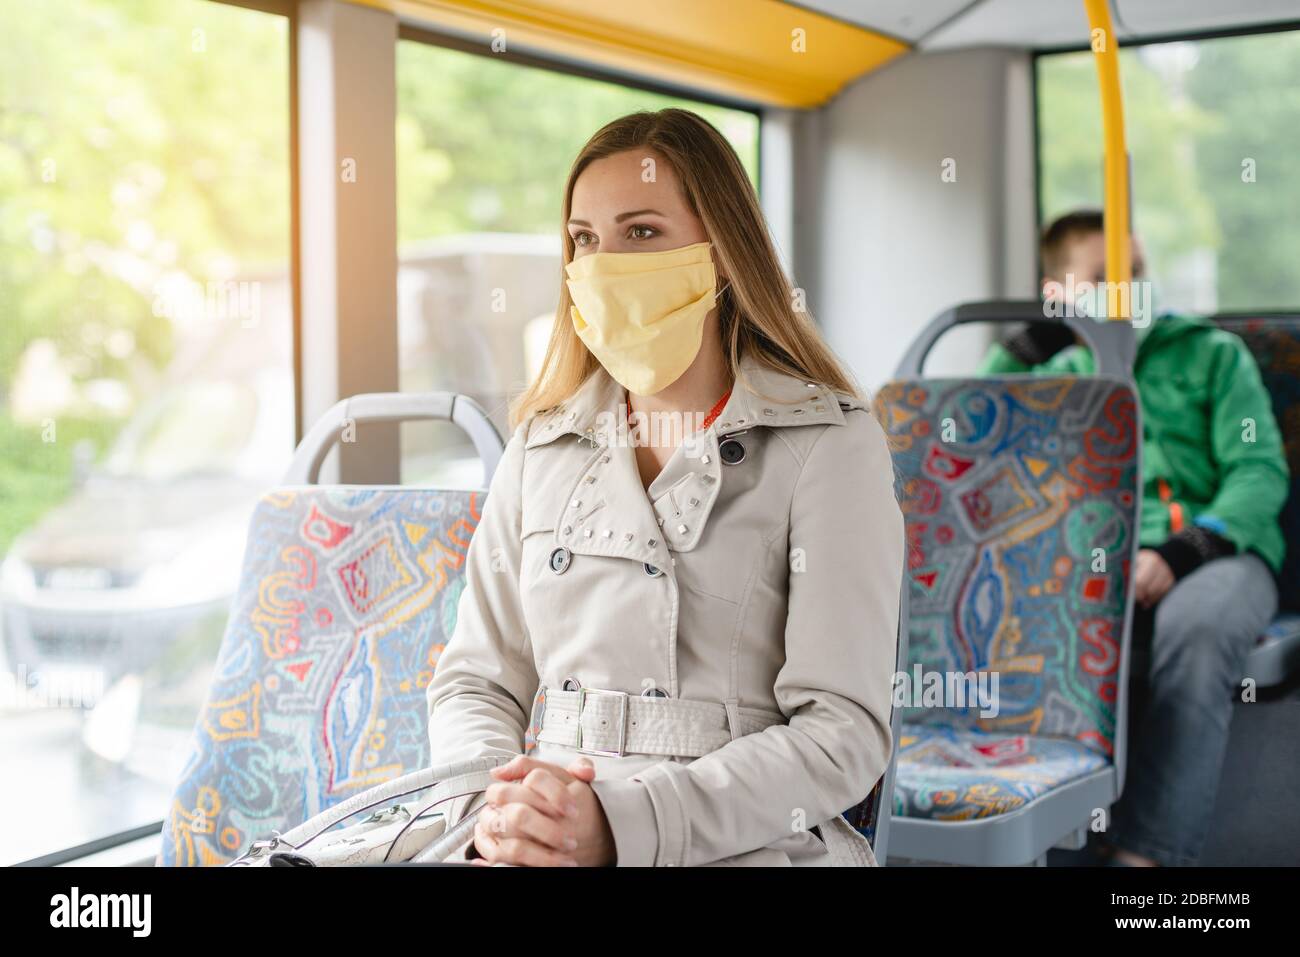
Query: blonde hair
[756,312]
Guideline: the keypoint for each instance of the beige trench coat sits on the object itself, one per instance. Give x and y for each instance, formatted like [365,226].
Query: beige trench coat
[766,591]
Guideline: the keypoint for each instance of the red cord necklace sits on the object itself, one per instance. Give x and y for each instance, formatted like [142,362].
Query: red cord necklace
[715,411]
[708,419]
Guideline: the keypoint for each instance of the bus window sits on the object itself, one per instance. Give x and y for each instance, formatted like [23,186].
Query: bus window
[482,156]
[1214,138]
[146,384]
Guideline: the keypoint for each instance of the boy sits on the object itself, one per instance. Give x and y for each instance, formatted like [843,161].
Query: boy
[1214,482]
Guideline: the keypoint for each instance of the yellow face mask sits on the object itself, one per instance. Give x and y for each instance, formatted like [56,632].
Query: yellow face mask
[642,314]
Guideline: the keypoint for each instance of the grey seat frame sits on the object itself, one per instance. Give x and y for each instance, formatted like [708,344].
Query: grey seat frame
[461,410]
[1277,655]
[884,813]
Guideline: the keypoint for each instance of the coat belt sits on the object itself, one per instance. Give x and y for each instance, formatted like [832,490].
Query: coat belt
[597,721]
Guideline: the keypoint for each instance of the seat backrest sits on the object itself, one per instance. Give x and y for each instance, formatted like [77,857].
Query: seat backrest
[346,599]
[1019,494]
[1274,341]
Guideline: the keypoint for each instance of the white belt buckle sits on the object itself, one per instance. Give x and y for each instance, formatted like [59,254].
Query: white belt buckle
[622,722]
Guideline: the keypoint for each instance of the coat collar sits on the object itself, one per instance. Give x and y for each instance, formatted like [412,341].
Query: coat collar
[761,396]
[608,511]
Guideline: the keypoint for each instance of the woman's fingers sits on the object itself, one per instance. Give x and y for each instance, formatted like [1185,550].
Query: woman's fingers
[515,810]
[540,788]
[520,767]
[525,853]
[546,782]
[503,793]
[582,769]
[484,842]
[517,768]
[499,837]
[523,820]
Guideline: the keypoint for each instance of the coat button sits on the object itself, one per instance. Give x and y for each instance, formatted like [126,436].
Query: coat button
[560,559]
[732,452]
[654,693]
[652,571]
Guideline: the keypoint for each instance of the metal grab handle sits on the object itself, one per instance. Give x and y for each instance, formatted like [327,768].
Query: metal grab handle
[395,407]
[1112,343]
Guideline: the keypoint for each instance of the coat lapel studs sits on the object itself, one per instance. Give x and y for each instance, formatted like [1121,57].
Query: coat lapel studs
[760,396]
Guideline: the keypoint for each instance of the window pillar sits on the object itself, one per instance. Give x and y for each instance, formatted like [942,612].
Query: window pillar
[347,101]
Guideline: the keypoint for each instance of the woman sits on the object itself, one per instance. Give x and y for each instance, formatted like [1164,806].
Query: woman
[690,553]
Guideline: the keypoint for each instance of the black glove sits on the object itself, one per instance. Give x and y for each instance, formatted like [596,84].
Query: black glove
[1191,548]
[1039,341]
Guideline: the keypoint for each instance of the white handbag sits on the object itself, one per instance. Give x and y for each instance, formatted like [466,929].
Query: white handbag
[411,832]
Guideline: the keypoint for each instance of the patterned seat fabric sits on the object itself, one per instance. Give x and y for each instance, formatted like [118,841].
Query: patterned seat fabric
[966,775]
[1020,506]
[346,599]
[1274,341]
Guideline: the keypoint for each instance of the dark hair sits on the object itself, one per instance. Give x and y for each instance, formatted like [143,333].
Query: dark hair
[1053,246]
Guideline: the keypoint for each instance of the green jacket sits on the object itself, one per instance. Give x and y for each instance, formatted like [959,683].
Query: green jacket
[1208,431]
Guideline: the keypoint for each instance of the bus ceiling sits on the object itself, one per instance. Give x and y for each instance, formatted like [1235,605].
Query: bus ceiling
[799,55]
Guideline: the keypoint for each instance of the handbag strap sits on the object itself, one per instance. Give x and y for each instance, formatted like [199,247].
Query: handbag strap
[426,809]
[453,838]
[448,781]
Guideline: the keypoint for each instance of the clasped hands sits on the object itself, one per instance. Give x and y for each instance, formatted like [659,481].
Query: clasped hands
[539,814]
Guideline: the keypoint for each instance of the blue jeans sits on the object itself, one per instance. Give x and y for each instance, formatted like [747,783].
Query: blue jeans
[1187,664]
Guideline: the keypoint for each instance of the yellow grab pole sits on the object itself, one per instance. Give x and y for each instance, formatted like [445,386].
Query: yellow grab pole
[1119,266]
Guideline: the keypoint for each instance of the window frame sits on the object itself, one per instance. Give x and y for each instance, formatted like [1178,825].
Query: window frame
[141,834]
[1038,54]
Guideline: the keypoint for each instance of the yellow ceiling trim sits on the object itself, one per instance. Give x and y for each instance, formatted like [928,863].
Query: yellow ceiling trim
[746,49]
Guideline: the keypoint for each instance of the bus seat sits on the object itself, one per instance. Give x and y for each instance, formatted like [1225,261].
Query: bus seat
[959,774]
[1020,495]
[1274,341]
[346,598]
